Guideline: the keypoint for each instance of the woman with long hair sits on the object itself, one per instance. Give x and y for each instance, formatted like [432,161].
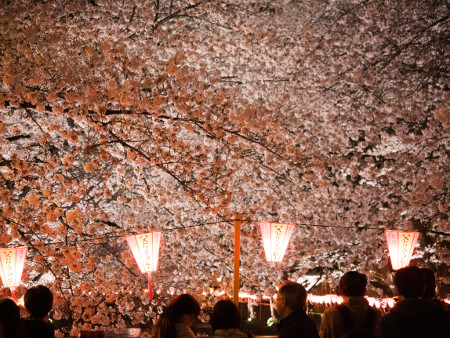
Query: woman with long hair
[177,318]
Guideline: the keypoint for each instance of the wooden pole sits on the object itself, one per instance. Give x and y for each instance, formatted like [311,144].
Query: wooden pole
[237,254]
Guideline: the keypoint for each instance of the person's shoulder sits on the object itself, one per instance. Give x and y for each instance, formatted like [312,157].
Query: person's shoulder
[304,325]
[438,305]
[332,311]
[182,331]
[38,329]
[377,312]
[37,323]
[441,304]
[392,314]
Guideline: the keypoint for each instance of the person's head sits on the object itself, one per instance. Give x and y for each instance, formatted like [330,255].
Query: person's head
[182,309]
[291,297]
[225,315]
[10,325]
[410,282]
[430,283]
[38,301]
[353,284]
[182,305]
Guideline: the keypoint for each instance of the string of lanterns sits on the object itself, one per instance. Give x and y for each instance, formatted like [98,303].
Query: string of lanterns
[145,249]
[184,227]
[324,300]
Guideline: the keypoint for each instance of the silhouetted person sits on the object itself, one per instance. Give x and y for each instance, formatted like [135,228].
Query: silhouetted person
[290,305]
[39,302]
[413,317]
[430,288]
[10,322]
[226,319]
[354,318]
[177,318]
[430,283]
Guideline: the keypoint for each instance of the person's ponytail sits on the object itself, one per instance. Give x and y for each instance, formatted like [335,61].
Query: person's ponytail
[164,327]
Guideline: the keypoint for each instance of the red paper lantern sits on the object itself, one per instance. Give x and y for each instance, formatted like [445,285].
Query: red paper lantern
[145,249]
[275,239]
[12,261]
[401,247]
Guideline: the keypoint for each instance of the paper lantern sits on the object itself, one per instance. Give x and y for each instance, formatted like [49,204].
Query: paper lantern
[401,247]
[145,249]
[275,239]
[12,261]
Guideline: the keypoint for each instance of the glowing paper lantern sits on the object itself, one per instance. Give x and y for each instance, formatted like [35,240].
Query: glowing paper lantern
[401,247]
[12,261]
[145,249]
[275,239]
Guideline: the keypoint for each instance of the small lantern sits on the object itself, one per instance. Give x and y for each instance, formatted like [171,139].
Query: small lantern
[275,239]
[401,247]
[145,249]
[12,261]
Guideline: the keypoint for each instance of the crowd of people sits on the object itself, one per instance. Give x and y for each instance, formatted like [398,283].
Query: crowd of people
[38,302]
[417,314]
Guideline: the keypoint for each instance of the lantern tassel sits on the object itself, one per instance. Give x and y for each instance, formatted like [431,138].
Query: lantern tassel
[13,294]
[150,290]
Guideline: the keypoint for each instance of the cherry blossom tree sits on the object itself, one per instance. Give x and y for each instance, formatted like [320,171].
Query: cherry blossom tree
[133,116]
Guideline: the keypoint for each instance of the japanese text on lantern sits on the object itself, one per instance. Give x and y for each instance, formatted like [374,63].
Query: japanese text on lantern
[11,265]
[405,248]
[401,247]
[145,248]
[275,239]
[278,233]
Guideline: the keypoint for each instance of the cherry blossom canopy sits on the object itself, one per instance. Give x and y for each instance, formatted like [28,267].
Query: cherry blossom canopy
[116,116]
